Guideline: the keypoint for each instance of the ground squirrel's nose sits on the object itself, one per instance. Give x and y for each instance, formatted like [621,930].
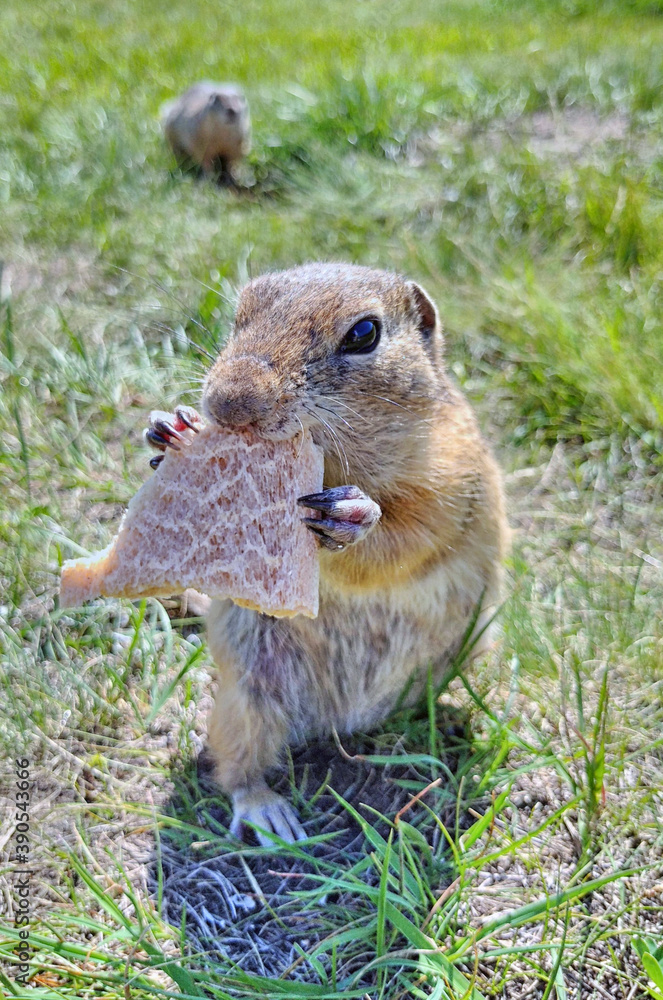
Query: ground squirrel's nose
[240,391]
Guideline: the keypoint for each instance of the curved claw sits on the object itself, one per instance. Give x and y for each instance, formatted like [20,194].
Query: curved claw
[156,437]
[171,430]
[165,428]
[332,534]
[329,499]
[188,416]
[347,515]
[267,813]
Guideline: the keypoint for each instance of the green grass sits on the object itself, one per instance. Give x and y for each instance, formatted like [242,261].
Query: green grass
[507,155]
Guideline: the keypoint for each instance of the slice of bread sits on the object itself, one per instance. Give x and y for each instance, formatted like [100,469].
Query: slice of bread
[220,516]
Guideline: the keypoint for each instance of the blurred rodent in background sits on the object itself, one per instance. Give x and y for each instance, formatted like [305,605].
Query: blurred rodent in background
[208,126]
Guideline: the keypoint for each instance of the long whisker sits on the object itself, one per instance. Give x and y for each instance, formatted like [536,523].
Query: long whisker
[302,427]
[385,399]
[162,288]
[202,350]
[166,291]
[165,328]
[327,409]
[334,399]
[338,444]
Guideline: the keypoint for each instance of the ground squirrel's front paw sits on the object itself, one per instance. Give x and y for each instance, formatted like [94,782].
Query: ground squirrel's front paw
[266,811]
[171,430]
[348,515]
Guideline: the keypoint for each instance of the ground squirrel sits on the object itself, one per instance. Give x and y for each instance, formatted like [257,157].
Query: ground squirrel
[411,518]
[209,126]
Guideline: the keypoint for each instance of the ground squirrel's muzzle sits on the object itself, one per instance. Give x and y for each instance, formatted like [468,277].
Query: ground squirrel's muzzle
[240,391]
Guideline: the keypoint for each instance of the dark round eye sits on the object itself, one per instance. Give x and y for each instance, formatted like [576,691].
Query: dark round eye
[362,338]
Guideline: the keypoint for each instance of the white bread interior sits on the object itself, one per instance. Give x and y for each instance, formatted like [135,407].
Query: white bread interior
[221,516]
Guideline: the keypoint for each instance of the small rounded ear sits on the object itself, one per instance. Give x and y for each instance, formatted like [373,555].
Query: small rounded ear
[425,311]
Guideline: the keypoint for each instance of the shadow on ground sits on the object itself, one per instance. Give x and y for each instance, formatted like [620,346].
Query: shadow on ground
[245,904]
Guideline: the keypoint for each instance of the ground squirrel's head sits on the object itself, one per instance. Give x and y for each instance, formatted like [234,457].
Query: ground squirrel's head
[228,103]
[352,353]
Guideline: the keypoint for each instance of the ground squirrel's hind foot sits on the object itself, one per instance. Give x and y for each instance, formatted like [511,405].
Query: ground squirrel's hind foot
[348,515]
[265,811]
[169,430]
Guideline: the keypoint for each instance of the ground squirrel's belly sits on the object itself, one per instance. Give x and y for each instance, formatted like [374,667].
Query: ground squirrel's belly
[217,139]
[348,667]
[373,646]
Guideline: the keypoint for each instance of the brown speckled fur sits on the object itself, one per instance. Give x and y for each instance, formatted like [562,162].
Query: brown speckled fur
[402,597]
